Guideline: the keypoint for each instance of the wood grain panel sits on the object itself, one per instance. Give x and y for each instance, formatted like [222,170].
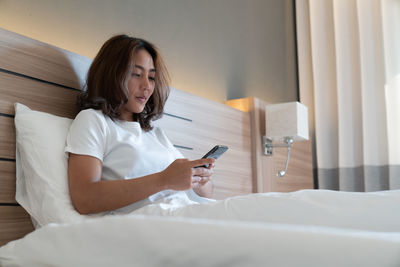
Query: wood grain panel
[212,121]
[212,124]
[199,137]
[40,60]
[7,182]
[250,105]
[14,223]
[299,174]
[36,95]
[206,114]
[229,182]
[7,138]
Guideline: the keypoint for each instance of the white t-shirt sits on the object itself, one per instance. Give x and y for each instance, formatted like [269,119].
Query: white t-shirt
[126,151]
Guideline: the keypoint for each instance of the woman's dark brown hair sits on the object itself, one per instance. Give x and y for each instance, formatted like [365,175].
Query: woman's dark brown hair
[106,87]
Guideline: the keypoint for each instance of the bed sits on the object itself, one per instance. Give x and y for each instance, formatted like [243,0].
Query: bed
[241,228]
[47,78]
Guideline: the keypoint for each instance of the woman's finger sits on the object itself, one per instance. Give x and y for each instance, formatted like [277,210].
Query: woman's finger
[200,180]
[202,172]
[196,179]
[201,162]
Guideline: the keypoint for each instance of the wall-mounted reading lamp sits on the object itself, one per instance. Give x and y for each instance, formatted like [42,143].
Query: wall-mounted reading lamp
[285,124]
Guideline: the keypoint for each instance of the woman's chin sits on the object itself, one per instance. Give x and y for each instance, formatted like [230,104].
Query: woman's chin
[137,110]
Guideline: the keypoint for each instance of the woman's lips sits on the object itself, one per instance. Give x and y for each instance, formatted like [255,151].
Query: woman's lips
[141,99]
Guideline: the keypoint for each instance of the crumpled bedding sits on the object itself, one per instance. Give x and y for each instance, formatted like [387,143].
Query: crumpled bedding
[304,228]
[372,211]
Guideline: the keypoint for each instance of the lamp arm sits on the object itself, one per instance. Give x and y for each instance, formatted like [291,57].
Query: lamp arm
[268,151]
[282,173]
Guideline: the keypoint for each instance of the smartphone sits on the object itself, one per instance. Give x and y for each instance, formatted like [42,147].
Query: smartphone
[215,153]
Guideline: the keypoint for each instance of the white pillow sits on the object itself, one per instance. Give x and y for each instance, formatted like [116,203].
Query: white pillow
[41,166]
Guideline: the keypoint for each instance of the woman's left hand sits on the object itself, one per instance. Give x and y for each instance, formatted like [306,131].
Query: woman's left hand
[202,175]
[201,181]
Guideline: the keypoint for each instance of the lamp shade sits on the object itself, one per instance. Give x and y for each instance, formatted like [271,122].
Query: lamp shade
[286,120]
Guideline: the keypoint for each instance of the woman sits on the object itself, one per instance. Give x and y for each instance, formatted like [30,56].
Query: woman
[117,160]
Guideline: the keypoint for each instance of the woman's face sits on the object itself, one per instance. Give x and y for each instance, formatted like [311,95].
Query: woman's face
[141,83]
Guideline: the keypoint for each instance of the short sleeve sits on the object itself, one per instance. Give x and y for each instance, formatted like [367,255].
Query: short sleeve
[87,134]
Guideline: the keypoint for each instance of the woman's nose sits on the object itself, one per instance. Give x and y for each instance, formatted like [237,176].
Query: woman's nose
[146,83]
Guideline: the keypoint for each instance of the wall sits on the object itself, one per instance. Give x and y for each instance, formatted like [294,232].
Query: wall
[218,49]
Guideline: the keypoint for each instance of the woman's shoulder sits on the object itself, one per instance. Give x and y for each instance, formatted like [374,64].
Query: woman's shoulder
[90,113]
[91,116]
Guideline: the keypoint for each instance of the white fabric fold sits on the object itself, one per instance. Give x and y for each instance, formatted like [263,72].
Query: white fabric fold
[304,228]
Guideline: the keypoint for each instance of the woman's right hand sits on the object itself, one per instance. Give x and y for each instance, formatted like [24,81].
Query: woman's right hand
[178,175]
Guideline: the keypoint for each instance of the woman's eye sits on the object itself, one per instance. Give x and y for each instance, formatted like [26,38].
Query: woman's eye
[136,74]
[152,78]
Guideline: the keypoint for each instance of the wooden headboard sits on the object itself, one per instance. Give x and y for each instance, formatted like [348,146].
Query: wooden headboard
[48,79]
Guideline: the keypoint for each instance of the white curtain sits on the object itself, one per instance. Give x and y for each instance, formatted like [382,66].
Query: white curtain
[349,71]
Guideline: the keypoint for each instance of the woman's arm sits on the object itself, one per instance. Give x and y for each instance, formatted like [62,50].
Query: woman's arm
[90,194]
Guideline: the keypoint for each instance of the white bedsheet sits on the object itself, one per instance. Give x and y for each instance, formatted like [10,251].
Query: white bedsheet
[304,228]
[373,211]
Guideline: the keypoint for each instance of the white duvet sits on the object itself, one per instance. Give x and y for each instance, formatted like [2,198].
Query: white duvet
[304,228]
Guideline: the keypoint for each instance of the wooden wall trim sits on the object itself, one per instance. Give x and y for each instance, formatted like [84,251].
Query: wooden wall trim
[15,223]
[250,105]
[7,182]
[7,138]
[37,95]
[41,60]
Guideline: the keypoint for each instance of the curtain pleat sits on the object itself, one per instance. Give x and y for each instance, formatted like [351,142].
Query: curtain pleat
[356,99]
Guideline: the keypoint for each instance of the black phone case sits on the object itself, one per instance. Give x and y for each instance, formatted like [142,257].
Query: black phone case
[215,153]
